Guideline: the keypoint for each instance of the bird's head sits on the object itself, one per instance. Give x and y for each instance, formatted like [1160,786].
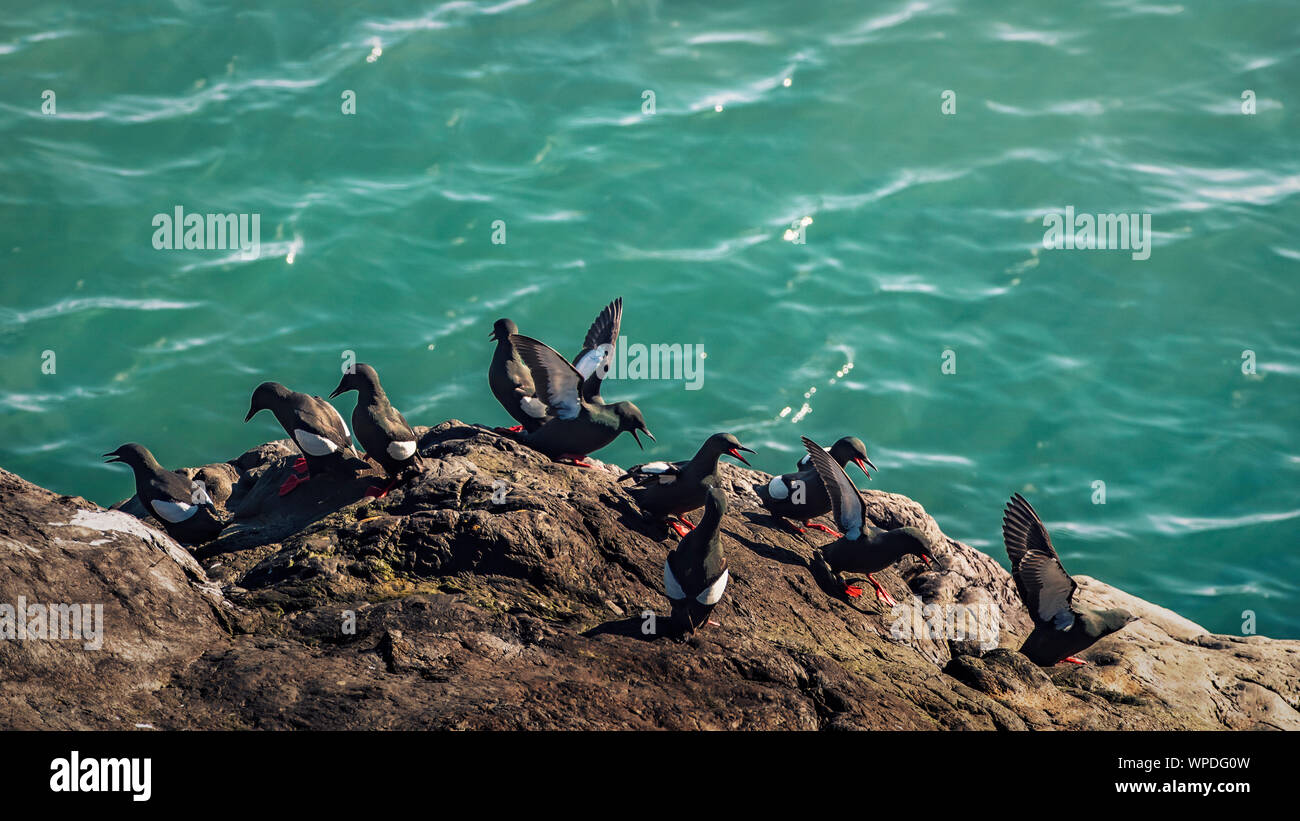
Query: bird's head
[851,449]
[1115,620]
[267,396]
[361,377]
[131,454]
[721,443]
[502,329]
[715,500]
[918,545]
[630,419]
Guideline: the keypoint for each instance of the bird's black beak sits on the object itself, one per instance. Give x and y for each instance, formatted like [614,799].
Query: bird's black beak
[493,335]
[337,391]
[647,432]
[932,563]
[736,453]
[113,457]
[251,412]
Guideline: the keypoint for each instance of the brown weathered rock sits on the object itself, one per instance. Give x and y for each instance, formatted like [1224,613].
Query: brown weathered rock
[159,612]
[438,607]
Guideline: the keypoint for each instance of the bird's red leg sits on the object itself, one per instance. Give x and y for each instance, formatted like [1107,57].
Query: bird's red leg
[300,465]
[1074,660]
[686,522]
[823,528]
[881,593]
[380,492]
[293,481]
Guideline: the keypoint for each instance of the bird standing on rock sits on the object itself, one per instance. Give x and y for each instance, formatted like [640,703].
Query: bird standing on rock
[512,382]
[695,573]
[802,496]
[380,428]
[313,424]
[672,489]
[1060,629]
[580,424]
[864,548]
[183,507]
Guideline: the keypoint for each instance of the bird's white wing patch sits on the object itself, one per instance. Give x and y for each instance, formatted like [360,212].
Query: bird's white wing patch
[713,593]
[401,450]
[666,472]
[534,407]
[173,512]
[589,361]
[777,488]
[313,445]
[1063,620]
[671,587]
[565,406]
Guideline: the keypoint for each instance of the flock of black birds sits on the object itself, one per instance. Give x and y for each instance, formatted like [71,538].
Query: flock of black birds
[560,412]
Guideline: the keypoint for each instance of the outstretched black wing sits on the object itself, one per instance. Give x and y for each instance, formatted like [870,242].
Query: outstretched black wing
[558,384]
[846,502]
[1046,589]
[597,354]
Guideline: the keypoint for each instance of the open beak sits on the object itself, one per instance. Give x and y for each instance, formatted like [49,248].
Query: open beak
[864,464]
[647,432]
[337,391]
[932,563]
[493,335]
[736,453]
[113,457]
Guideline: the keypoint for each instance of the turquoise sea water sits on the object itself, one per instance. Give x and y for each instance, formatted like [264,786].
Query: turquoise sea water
[1071,366]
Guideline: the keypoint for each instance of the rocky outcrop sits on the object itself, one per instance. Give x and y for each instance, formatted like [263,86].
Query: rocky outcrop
[500,590]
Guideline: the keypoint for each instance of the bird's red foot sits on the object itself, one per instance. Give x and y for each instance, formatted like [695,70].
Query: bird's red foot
[1074,660]
[292,482]
[686,522]
[713,623]
[823,528]
[380,492]
[516,428]
[852,591]
[576,459]
[881,593]
[300,465]
[681,532]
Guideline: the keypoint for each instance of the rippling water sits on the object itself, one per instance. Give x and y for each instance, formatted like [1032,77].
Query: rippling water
[1072,367]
